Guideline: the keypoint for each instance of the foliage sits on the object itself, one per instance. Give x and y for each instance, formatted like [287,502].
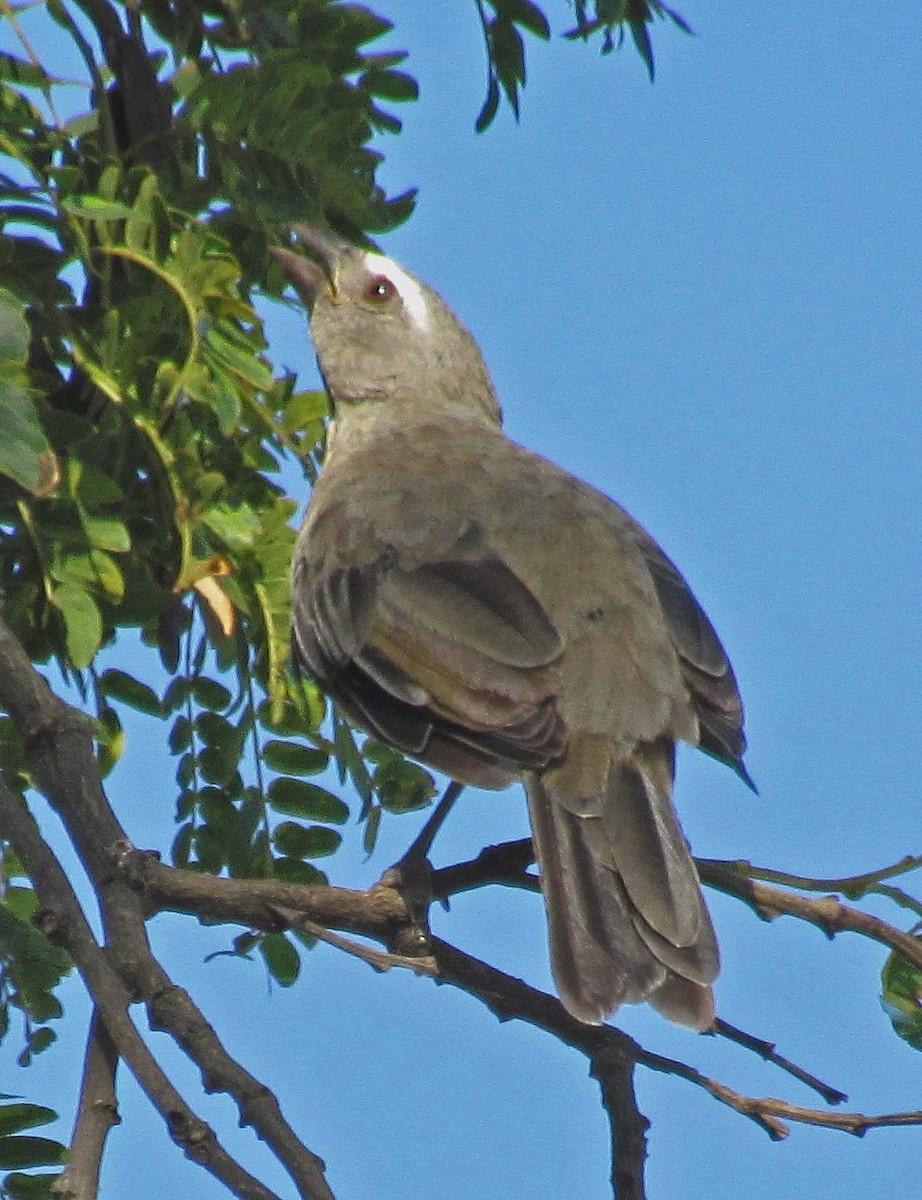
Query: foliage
[18,1151]
[902,997]
[30,967]
[147,431]
[612,17]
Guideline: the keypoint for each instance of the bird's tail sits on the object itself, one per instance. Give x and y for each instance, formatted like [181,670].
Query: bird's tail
[626,917]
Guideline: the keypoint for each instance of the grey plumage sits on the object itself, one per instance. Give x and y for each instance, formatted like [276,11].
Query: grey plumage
[474,605]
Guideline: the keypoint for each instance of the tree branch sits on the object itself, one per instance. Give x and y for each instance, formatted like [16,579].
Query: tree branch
[827,913]
[59,749]
[506,864]
[62,921]
[132,886]
[851,886]
[627,1124]
[377,913]
[96,1115]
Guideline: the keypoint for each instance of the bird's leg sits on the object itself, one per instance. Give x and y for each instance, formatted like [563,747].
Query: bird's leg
[412,876]
[419,849]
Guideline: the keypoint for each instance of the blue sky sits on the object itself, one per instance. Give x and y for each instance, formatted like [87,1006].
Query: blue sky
[703,297]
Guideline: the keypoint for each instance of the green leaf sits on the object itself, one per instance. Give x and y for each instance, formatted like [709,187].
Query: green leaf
[119,685]
[902,997]
[390,85]
[305,841]
[215,730]
[644,46]
[526,14]
[25,454]
[181,849]
[21,901]
[16,1117]
[372,825]
[490,107]
[180,737]
[90,569]
[293,758]
[82,622]
[29,1187]
[177,693]
[401,785]
[30,1152]
[296,798]
[22,72]
[110,739]
[39,1039]
[281,958]
[210,849]
[14,329]
[350,761]
[237,357]
[296,870]
[95,208]
[31,963]
[106,533]
[237,526]
[92,485]
[210,694]
[303,409]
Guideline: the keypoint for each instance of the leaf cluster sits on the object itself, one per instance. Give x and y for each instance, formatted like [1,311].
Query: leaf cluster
[611,18]
[19,1150]
[148,445]
[30,967]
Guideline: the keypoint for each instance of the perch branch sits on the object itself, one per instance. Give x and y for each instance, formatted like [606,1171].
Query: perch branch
[377,914]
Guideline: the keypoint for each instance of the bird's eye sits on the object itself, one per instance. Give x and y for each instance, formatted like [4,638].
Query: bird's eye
[379,290]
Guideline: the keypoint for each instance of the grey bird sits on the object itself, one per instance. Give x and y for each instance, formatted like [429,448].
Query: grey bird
[474,605]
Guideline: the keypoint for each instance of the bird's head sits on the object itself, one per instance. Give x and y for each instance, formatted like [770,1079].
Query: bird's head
[381,335]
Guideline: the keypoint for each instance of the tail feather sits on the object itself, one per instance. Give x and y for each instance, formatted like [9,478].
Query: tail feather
[598,958]
[626,918]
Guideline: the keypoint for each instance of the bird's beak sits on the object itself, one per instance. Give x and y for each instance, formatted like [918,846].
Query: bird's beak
[308,276]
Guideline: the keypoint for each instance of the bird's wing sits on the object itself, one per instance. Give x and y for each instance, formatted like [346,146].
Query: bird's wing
[706,668]
[450,659]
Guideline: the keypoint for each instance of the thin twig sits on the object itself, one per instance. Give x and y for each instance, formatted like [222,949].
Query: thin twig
[264,904]
[506,864]
[851,886]
[380,960]
[627,1124]
[768,1052]
[829,913]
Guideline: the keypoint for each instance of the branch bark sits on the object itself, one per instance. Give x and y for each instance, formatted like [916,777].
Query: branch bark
[96,1115]
[827,913]
[62,920]
[59,748]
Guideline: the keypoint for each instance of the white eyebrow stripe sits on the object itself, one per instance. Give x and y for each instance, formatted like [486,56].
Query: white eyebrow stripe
[410,291]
